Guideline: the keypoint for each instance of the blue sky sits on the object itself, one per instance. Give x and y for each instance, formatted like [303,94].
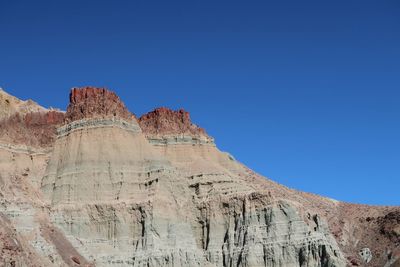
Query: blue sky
[304,92]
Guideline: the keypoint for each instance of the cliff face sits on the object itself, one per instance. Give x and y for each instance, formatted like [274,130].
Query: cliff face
[166,126]
[89,102]
[116,191]
[164,121]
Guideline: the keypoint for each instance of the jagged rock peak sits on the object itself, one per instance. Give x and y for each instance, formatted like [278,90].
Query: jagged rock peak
[164,121]
[92,102]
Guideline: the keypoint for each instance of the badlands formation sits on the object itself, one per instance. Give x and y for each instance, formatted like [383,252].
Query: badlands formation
[97,186]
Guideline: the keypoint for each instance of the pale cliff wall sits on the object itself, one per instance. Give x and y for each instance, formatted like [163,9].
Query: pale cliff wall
[106,189]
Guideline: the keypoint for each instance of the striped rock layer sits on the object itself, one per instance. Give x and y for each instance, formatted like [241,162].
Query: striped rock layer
[107,189]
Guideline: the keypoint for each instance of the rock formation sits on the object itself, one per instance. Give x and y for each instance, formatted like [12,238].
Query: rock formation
[10,105]
[166,126]
[164,121]
[96,186]
[92,102]
[36,129]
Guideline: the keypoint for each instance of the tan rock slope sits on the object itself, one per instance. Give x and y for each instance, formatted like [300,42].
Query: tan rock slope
[96,186]
[10,105]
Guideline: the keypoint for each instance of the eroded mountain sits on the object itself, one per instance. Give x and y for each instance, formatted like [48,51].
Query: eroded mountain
[97,186]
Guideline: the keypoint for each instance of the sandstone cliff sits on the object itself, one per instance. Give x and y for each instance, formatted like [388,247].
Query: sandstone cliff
[96,186]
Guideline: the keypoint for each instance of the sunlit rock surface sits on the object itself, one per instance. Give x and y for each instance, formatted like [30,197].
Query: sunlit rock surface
[99,187]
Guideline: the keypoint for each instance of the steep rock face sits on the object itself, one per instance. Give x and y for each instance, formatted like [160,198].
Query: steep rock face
[258,230]
[108,158]
[143,211]
[164,121]
[25,218]
[236,216]
[212,172]
[114,192]
[209,171]
[183,143]
[165,126]
[90,102]
[134,213]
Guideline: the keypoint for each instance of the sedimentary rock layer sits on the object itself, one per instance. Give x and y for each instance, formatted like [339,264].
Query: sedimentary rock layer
[164,121]
[105,189]
[141,210]
[89,102]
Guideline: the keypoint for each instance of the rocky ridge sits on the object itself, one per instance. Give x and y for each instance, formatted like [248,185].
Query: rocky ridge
[89,102]
[10,105]
[116,191]
[164,121]
[165,126]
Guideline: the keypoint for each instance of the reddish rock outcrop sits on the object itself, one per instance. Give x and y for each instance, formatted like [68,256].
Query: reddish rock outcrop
[212,174]
[91,102]
[164,121]
[37,129]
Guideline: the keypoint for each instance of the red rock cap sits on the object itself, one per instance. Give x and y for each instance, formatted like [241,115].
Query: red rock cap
[164,121]
[91,102]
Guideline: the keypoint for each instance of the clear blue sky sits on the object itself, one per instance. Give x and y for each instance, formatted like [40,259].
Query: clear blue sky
[304,92]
